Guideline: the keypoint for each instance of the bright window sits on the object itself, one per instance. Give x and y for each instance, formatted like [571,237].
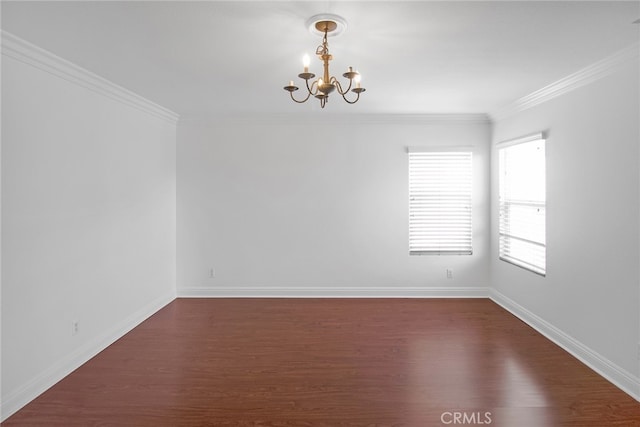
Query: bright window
[522,200]
[440,202]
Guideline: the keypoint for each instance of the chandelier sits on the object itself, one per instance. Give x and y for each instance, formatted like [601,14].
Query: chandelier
[322,87]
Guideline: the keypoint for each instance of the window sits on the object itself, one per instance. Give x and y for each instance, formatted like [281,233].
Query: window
[439,202]
[522,202]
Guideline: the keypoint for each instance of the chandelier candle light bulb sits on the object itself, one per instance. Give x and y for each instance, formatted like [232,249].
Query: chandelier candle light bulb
[305,62]
[322,87]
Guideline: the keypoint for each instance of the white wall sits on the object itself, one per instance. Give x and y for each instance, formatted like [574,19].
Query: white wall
[316,205]
[589,298]
[88,219]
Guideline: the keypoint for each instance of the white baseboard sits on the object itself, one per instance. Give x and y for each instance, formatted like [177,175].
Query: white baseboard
[619,377]
[334,292]
[39,384]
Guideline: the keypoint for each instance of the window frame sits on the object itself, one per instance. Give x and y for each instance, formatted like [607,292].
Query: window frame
[506,208]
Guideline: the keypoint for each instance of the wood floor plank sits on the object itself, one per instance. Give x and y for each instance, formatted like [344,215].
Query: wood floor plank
[332,362]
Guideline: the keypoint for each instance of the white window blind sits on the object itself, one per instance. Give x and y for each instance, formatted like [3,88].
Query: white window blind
[522,203]
[440,202]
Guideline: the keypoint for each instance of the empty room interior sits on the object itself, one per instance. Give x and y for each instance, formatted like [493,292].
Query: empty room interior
[321,213]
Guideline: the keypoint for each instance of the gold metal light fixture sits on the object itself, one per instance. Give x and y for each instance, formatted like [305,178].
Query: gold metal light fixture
[322,87]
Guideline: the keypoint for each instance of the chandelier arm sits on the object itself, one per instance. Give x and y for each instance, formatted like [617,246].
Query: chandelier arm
[350,102]
[338,85]
[300,102]
[349,88]
[342,92]
[310,88]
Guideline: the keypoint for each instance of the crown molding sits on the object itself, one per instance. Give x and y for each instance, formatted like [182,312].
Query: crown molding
[305,119]
[583,77]
[27,53]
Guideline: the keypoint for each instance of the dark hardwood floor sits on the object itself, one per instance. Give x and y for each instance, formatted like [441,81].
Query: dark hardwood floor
[332,362]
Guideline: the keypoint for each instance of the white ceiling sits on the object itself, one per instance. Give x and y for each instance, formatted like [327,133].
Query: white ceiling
[212,57]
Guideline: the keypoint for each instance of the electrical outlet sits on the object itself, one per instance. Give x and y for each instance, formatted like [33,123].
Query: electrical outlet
[212,273]
[74,327]
[449,273]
